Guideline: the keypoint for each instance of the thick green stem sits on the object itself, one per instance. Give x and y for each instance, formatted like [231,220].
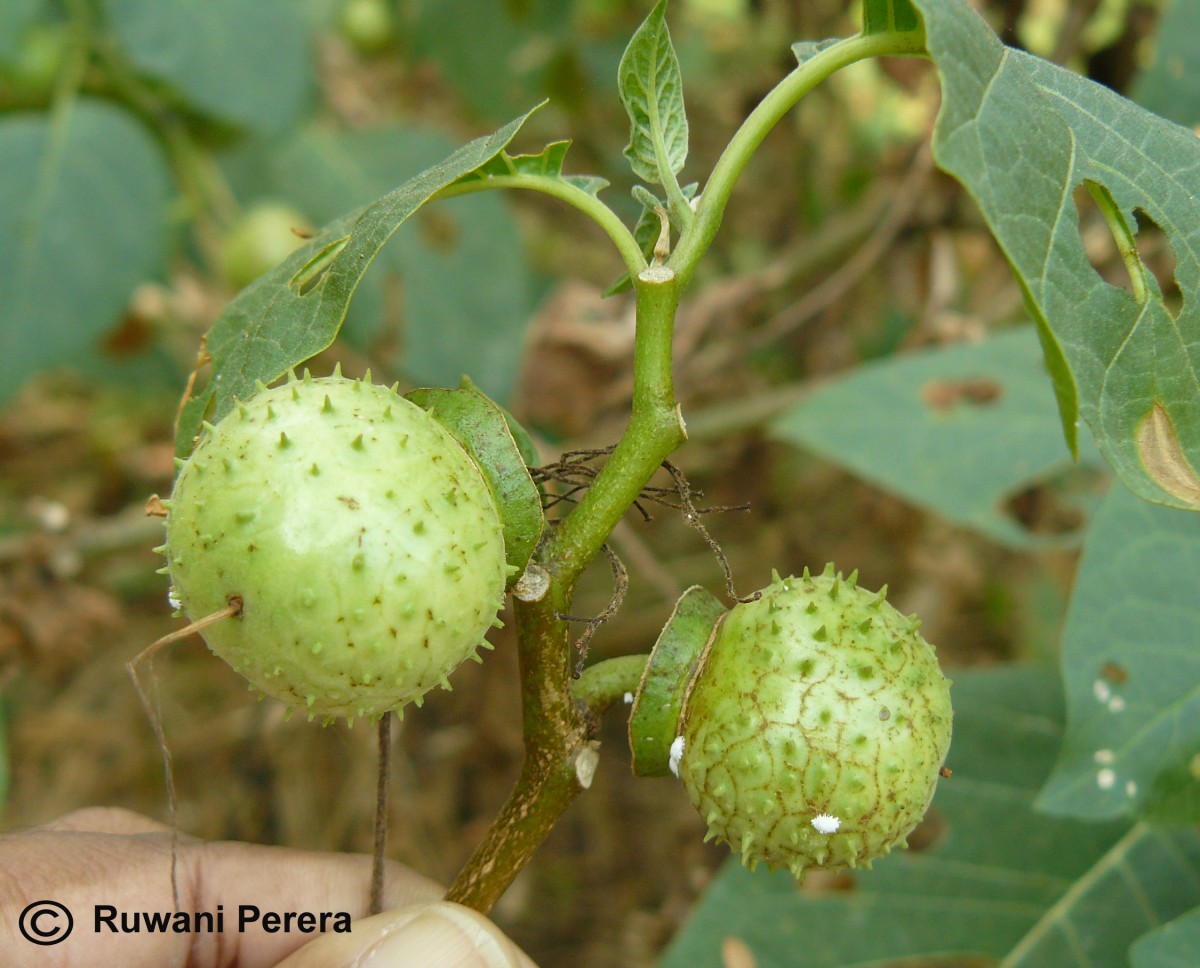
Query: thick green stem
[654,431]
[558,712]
[559,751]
[558,757]
[770,110]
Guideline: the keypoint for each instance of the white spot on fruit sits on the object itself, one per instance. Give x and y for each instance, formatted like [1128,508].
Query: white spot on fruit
[1130,789]
[676,754]
[1102,690]
[1105,779]
[173,599]
[1116,704]
[627,698]
[825,824]
[1103,757]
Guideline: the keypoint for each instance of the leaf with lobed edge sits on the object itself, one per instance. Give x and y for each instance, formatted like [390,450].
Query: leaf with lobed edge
[548,163]
[1022,135]
[293,312]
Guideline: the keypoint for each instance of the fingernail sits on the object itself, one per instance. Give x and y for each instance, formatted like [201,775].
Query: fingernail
[441,935]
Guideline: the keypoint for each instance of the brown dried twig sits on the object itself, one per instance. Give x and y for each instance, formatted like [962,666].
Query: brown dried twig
[621,586]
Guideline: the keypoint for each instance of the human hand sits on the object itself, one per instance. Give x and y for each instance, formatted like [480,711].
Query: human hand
[102,863]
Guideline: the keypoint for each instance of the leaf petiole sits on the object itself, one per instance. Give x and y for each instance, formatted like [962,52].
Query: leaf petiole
[567,192]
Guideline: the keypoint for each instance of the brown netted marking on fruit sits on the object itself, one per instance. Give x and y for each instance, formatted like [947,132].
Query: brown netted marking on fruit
[820,699]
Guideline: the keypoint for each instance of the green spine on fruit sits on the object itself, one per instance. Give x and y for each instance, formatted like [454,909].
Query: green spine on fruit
[815,726]
[360,538]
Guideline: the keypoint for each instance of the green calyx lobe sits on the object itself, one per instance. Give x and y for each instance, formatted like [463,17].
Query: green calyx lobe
[817,702]
[501,448]
[654,719]
[358,534]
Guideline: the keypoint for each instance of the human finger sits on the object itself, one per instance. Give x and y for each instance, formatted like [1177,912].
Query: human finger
[437,935]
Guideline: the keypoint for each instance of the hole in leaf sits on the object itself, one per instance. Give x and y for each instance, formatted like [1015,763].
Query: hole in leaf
[1130,265]
[1099,244]
[312,274]
[1156,254]
[1056,505]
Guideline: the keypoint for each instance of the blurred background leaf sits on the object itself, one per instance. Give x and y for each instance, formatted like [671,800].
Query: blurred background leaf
[1174,945]
[987,875]
[499,55]
[15,17]
[1170,85]
[85,192]
[245,63]
[1132,669]
[959,430]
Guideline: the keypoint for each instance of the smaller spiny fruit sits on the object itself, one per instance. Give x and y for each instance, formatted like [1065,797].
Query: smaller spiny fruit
[815,726]
[264,235]
[360,539]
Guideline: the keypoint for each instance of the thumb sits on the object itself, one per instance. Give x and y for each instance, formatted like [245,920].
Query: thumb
[437,935]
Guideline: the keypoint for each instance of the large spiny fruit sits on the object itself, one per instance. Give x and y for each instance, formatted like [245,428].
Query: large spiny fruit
[358,536]
[816,725]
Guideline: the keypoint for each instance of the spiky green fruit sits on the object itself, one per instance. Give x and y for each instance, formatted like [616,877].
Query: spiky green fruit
[815,726]
[361,540]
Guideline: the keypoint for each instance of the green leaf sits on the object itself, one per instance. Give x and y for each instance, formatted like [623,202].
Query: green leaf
[805,49]
[994,878]
[1022,135]
[548,163]
[84,218]
[276,323]
[1132,669]
[890,17]
[467,288]
[1170,85]
[497,55]
[1174,945]
[1149,876]
[956,430]
[652,91]
[248,63]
